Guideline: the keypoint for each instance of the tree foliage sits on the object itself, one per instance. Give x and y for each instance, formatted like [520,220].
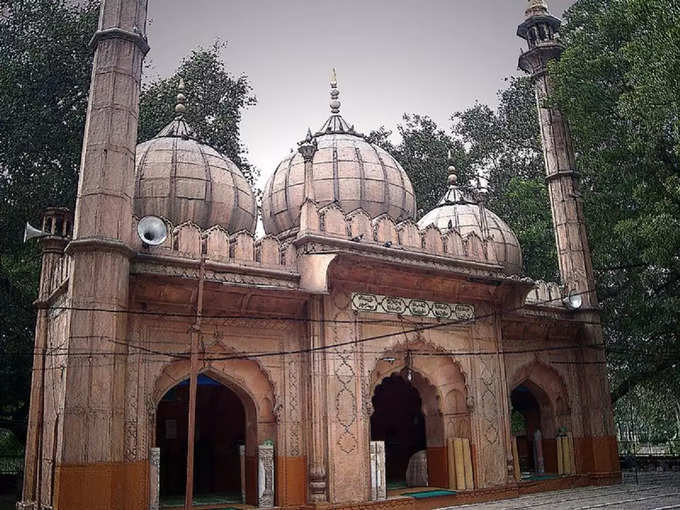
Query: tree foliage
[500,147]
[618,83]
[423,152]
[504,147]
[45,68]
[215,103]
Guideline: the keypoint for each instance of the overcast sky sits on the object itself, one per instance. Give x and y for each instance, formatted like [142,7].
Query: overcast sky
[432,57]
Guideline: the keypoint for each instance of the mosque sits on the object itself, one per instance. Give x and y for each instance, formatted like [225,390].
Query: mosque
[352,357]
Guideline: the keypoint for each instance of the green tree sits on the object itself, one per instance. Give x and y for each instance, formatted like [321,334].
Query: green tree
[215,103]
[45,68]
[423,152]
[503,148]
[618,84]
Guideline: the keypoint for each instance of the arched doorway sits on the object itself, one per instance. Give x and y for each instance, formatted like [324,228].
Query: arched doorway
[525,421]
[398,420]
[220,431]
[441,387]
[540,401]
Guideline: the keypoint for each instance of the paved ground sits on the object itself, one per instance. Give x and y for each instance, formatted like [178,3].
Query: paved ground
[653,491]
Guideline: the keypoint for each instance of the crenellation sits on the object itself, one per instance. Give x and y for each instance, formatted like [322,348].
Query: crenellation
[360,226]
[269,251]
[289,255]
[385,230]
[332,220]
[243,246]
[409,235]
[216,240]
[474,247]
[187,239]
[454,244]
[433,240]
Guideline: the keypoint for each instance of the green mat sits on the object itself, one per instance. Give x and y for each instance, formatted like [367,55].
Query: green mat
[396,484]
[537,477]
[429,494]
[200,500]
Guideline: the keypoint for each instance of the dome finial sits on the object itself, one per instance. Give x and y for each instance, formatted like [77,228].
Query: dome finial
[180,107]
[536,8]
[335,93]
[453,178]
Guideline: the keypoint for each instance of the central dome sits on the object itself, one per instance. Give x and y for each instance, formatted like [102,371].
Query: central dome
[346,169]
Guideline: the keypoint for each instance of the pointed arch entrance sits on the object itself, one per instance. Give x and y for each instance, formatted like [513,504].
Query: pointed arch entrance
[539,402]
[398,420]
[234,414]
[440,384]
[220,432]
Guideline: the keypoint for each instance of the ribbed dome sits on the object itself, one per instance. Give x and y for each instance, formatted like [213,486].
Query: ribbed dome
[181,179]
[346,169]
[462,212]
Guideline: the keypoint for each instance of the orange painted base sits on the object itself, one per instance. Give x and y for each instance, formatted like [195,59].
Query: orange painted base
[437,467]
[103,486]
[291,485]
[596,455]
[251,480]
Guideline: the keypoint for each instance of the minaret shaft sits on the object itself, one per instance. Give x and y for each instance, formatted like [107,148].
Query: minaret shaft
[541,31]
[566,205]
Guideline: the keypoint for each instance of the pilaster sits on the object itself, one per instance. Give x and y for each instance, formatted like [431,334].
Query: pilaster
[318,471]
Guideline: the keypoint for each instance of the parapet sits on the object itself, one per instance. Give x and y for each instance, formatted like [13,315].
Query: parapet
[189,241]
[357,226]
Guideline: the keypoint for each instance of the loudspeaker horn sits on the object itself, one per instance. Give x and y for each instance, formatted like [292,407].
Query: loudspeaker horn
[152,230]
[31,232]
[573,301]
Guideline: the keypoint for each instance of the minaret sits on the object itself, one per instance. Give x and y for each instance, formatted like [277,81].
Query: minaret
[593,425]
[86,434]
[541,30]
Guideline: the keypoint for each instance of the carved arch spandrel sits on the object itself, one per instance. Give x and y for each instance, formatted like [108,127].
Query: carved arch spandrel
[245,377]
[438,361]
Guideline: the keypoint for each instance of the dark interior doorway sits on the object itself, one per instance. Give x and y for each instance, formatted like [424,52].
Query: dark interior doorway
[399,421]
[526,419]
[220,430]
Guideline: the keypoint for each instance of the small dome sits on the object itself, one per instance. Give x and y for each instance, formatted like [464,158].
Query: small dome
[457,210]
[181,179]
[346,169]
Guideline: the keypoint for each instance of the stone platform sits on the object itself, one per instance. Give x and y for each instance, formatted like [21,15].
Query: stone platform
[653,491]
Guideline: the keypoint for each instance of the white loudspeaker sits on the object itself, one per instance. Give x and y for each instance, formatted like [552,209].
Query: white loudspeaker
[152,230]
[573,301]
[31,232]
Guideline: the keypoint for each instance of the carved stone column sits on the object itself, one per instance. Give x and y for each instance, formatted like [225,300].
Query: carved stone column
[265,459]
[317,394]
[378,476]
[154,478]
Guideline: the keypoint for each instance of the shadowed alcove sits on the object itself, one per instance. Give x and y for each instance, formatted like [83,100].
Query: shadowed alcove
[398,420]
[220,430]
